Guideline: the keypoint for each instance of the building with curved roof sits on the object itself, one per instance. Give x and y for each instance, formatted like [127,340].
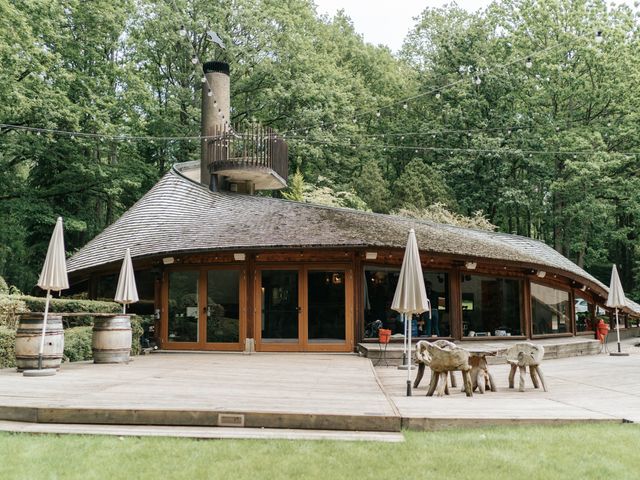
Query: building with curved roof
[226,270]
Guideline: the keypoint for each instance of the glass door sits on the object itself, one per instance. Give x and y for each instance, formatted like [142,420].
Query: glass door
[280,312]
[204,309]
[304,309]
[223,306]
[183,307]
[326,306]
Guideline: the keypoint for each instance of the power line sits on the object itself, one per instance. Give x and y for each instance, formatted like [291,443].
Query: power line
[453,150]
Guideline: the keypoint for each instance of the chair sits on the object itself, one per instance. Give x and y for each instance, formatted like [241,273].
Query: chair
[523,355]
[423,359]
[443,358]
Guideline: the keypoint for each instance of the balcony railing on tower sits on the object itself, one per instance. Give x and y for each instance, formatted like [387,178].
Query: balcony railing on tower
[257,158]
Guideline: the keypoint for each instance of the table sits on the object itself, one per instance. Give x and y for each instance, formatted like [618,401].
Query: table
[481,377]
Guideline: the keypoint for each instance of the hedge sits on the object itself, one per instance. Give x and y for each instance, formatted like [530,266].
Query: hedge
[7,347]
[63,305]
[11,306]
[77,341]
[137,330]
[77,344]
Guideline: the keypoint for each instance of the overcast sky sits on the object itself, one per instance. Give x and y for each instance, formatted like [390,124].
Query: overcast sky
[387,22]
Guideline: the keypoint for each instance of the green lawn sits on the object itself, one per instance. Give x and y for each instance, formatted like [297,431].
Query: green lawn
[575,452]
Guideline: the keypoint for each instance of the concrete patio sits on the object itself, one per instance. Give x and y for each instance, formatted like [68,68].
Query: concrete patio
[339,392]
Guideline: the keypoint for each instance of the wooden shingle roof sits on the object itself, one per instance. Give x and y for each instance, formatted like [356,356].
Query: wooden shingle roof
[179,215]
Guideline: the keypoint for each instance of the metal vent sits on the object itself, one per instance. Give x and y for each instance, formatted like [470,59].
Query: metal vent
[230,420]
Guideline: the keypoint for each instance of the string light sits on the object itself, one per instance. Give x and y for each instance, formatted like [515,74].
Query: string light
[404,103]
[464,69]
[506,129]
[464,150]
[182,31]
[209,93]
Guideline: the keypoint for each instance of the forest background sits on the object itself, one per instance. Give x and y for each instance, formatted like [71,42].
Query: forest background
[523,117]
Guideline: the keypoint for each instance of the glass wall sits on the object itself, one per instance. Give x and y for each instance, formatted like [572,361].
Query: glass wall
[106,287]
[584,311]
[380,286]
[145,284]
[491,306]
[549,310]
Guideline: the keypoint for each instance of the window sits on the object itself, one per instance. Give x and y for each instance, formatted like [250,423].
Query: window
[490,306]
[584,315]
[549,310]
[379,288]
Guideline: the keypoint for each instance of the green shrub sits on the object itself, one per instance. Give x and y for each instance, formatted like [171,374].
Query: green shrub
[10,309]
[7,347]
[77,344]
[138,324]
[71,305]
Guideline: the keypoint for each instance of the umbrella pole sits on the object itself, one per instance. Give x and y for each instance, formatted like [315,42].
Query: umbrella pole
[404,341]
[124,308]
[44,328]
[618,330]
[409,354]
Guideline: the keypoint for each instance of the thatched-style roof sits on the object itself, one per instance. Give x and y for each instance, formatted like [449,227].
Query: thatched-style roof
[178,215]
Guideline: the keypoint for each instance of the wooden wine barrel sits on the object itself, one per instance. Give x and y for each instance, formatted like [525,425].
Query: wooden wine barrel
[111,342]
[28,341]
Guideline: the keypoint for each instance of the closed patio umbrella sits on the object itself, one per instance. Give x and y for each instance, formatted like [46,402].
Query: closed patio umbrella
[616,299]
[52,277]
[126,292]
[411,296]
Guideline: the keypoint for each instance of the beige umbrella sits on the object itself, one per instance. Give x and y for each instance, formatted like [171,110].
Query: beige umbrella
[411,296]
[126,292]
[53,277]
[616,299]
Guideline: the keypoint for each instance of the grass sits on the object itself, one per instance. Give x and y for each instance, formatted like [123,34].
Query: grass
[541,452]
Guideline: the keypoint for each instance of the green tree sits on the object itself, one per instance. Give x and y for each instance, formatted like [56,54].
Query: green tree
[421,185]
[373,187]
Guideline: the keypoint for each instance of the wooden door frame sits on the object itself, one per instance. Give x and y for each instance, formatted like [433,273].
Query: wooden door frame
[202,344]
[283,346]
[303,344]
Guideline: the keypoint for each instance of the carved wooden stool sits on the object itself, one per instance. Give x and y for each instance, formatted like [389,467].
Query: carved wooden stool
[423,359]
[481,378]
[442,360]
[521,356]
